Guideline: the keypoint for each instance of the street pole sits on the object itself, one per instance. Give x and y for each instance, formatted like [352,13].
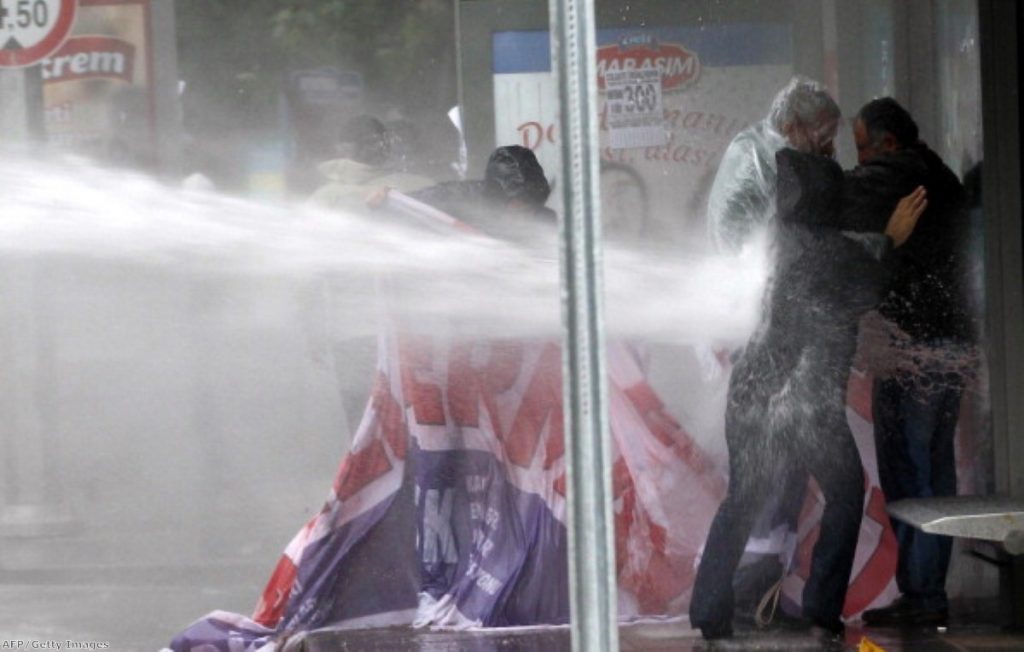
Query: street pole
[591,530]
[32,500]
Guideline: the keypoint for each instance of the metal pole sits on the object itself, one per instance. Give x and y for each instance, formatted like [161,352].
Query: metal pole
[591,526]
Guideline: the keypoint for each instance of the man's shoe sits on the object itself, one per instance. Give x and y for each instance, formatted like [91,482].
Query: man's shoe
[904,612]
[828,638]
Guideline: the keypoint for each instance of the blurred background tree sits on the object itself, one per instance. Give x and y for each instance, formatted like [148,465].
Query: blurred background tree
[236,58]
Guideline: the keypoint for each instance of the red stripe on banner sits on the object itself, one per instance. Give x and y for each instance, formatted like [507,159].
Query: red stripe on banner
[659,536]
[416,356]
[559,485]
[542,401]
[690,453]
[470,383]
[360,468]
[662,578]
[271,606]
[668,431]
[662,581]
[875,575]
[554,450]
[622,479]
[389,412]
[650,407]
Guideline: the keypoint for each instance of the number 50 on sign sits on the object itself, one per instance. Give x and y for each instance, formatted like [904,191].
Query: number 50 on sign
[31,30]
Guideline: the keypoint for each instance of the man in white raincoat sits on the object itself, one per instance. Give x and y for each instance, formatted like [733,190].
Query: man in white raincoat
[803,116]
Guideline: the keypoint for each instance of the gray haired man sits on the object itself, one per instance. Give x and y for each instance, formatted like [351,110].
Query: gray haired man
[803,116]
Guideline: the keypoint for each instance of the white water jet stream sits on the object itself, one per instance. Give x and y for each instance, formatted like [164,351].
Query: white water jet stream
[74,211]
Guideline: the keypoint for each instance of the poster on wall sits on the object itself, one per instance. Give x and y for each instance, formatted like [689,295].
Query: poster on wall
[97,88]
[662,134]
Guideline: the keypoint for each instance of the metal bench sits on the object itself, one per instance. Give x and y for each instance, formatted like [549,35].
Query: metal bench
[998,519]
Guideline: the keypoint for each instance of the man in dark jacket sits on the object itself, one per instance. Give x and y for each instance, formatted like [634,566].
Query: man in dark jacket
[916,407]
[787,395]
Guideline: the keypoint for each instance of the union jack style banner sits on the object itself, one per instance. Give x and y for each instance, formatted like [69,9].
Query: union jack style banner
[449,509]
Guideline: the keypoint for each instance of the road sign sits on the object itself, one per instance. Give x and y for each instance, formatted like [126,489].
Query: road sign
[31,30]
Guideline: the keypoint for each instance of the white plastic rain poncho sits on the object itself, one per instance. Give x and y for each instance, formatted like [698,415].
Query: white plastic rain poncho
[742,197]
[350,181]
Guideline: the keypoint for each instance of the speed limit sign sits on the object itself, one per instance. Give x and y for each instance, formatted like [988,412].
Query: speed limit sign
[31,30]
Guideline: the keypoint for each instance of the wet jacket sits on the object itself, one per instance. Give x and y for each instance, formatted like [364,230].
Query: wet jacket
[927,295]
[472,203]
[823,281]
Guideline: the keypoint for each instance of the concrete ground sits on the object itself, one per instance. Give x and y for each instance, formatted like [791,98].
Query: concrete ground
[141,612]
[131,613]
[663,636]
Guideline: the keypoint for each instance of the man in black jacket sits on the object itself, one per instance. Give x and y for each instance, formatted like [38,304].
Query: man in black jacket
[916,407]
[787,395]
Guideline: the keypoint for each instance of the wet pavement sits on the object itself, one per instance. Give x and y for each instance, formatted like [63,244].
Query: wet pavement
[141,613]
[131,616]
[662,636]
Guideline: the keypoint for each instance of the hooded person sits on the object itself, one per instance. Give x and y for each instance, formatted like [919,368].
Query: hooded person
[786,409]
[506,202]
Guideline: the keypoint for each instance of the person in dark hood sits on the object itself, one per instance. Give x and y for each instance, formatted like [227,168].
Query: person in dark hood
[916,408]
[786,405]
[508,200]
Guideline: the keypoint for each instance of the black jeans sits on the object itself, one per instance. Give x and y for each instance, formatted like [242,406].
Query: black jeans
[915,423]
[823,447]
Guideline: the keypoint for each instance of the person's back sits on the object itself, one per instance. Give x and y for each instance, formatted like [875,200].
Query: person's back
[927,298]
[823,280]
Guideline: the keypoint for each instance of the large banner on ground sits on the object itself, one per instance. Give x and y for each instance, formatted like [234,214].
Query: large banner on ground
[670,128]
[450,508]
[450,511]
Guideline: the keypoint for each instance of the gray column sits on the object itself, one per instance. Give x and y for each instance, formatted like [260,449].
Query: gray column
[591,524]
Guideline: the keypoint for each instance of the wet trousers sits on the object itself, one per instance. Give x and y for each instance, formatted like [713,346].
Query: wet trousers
[823,446]
[915,423]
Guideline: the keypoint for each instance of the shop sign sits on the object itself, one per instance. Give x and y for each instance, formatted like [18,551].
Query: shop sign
[678,66]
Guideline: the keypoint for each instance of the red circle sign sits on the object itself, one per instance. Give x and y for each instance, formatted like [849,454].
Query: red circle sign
[31,30]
